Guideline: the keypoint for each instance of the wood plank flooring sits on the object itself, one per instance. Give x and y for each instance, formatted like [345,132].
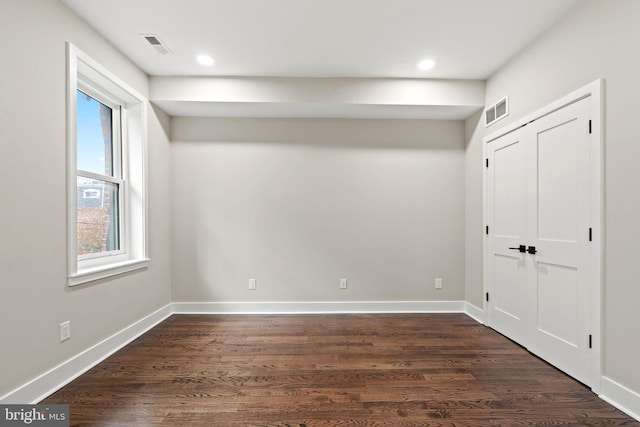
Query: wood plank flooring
[329,370]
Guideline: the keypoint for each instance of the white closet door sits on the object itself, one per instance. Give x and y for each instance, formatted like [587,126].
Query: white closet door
[507,212]
[538,200]
[558,273]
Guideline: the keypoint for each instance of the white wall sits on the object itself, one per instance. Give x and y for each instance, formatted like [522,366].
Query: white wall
[296,204]
[33,295]
[300,203]
[598,39]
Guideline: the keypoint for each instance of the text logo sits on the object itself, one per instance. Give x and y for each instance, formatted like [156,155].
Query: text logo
[34,415]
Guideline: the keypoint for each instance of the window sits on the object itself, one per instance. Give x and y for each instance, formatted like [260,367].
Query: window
[106,173]
[98,160]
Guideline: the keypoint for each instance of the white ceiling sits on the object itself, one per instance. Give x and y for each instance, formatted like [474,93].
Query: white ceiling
[355,39]
[469,39]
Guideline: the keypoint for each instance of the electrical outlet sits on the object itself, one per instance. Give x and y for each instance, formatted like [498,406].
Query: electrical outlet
[343,283]
[65,330]
[252,284]
[438,283]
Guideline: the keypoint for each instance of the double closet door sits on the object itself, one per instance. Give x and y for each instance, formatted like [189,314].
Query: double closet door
[538,210]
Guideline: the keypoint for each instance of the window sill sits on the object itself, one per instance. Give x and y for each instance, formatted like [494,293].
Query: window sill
[105,271]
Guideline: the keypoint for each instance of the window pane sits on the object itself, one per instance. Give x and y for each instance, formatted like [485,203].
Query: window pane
[98,216]
[94,133]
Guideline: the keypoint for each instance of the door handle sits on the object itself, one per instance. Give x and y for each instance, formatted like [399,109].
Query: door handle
[531,250]
[521,248]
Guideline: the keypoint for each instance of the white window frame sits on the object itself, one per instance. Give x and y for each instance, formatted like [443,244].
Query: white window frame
[131,155]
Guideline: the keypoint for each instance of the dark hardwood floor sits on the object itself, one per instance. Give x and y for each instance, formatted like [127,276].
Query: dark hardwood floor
[329,370]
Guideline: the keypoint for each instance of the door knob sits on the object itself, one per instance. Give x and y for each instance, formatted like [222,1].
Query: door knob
[521,248]
[531,249]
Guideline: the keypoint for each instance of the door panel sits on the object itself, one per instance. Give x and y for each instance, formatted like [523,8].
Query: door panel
[557,182]
[507,214]
[558,279]
[509,179]
[509,308]
[557,294]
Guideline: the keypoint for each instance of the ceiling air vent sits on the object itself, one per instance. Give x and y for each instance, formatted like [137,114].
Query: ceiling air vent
[497,111]
[157,44]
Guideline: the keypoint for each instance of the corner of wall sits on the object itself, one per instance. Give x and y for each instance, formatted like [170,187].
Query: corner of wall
[474,131]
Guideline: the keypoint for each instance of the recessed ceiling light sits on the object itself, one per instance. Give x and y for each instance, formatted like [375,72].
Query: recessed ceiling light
[427,64]
[205,60]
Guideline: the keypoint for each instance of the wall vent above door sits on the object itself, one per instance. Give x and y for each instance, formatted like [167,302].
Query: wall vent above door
[496,111]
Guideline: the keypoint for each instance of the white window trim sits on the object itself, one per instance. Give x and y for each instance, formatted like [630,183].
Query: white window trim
[82,71]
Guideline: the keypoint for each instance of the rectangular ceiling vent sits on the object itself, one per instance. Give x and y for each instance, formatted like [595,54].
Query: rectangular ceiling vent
[497,111]
[157,44]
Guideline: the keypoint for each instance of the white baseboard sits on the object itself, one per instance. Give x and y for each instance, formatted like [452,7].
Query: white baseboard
[474,312]
[319,307]
[628,401]
[55,378]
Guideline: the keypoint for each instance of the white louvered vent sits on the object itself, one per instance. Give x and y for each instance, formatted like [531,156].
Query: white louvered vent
[157,44]
[497,111]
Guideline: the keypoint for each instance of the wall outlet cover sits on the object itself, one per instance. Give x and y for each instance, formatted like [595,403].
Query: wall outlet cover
[65,330]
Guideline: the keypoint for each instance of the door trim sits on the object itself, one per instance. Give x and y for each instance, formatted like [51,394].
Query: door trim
[595,91]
